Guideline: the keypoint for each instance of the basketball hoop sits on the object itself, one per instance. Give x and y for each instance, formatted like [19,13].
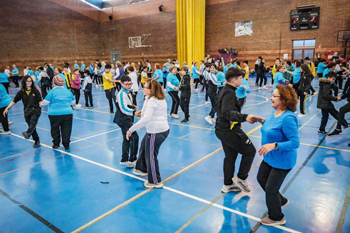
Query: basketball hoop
[136,42]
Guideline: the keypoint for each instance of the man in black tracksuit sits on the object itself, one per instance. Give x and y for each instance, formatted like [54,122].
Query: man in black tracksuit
[185,86]
[233,139]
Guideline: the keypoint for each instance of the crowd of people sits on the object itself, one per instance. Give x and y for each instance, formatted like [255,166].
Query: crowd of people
[225,85]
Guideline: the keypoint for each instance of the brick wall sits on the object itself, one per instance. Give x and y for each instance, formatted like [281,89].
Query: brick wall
[161,26]
[271,34]
[37,31]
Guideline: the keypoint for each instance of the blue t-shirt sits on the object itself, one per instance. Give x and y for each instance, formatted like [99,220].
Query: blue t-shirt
[225,69]
[5,99]
[3,78]
[82,67]
[30,73]
[320,68]
[76,66]
[171,78]
[284,131]
[60,101]
[91,69]
[241,92]
[220,76]
[189,71]
[36,77]
[325,72]
[15,70]
[195,75]
[278,79]
[165,73]
[160,73]
[296,75]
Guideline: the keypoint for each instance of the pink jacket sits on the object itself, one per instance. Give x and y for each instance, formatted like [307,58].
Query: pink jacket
[76,81]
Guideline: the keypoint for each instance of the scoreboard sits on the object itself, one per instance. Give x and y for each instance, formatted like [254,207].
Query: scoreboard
[304,19]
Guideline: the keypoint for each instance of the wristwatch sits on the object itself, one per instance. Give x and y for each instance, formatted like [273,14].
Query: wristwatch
[276,146]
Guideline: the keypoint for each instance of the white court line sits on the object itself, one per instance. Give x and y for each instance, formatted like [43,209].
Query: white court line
[94,135]
[167,188]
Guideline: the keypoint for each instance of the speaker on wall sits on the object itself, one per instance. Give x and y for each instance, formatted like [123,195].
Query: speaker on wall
[110,17]
[161,8]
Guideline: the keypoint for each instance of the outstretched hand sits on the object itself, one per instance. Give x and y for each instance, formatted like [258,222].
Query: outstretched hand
[128,135]
[253,119]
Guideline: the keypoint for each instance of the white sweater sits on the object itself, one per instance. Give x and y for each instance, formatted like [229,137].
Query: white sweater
[135,85]
[153,116]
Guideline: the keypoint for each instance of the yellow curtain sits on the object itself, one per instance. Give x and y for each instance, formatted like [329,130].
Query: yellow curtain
[190,28]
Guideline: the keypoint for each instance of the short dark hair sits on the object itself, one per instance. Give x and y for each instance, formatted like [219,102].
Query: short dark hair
[331,64]
[130,68]
[289,63]
[307,59]
[297,63]
[233,73]
[184,68]
[331,74]
[246,62]
[108,66]
[125,78]
[41,68]
[207,65]
[86,72]
[65,66]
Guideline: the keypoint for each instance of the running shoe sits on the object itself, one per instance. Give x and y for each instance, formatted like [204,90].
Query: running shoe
[285,204]
[301,115]
[268,222]
[335,132]
[243,184]
[5,132]
[230,188]
[25,134]
[131,164]
[124,163]
[321,132]
[151,185]
[208,119]
[11,123]
[139,173]
[184,120]
[36,144]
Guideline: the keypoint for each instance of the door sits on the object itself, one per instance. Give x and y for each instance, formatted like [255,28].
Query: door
[115,56]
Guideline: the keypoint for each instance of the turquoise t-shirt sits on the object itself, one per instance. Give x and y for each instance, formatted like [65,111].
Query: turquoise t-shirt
[3,78]
[160,73]
[5,99]
[320,68]
[76,66]
[296,75]
[220,76]
[30,73]
[173,80]
[15,70]
[60,101]
[195,75]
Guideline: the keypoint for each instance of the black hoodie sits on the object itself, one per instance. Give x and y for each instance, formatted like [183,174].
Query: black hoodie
[325,96]
[30,101]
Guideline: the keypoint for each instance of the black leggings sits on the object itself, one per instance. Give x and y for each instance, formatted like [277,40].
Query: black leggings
[176,101]
[263,78]
[196,81]
[302,97]
[325,115]
[77,95]
[164,83]
[341,116]
[4,120]
[6,85]
[32,121]
[212,93]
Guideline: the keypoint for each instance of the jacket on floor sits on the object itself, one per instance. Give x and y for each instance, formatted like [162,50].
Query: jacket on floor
[325,96]
[185,86]
[229,115]
[305,83]
[30,101]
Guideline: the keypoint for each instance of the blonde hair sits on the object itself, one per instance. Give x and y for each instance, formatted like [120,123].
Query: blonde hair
[103,63]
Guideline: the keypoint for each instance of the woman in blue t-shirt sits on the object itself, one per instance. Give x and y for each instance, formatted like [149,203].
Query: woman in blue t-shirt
[280,141]
[60,101]
[173,85]
[4,80]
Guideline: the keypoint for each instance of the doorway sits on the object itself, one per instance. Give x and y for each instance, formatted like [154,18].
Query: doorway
[115,56]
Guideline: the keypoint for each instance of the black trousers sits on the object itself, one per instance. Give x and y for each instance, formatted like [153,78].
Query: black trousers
[129,146]
[325,115]
[205,86]
[242,102]
[100,79]
[148,156]
[76,93]
[185,106]
[4,119]
[339,81]
[176,101]
[320,75]
[88,96]
[257,79]
[302,97]
[44,89]
[134,101]
[311,88]
[110,95]
[213,99]
[15,80]
[96,80]
[6,85]
[233,142]
[164,83]
[270,180]
[262,79]
[61,125]
[32,121]
[118,86]
[342,111]
[272,80]
[196,81]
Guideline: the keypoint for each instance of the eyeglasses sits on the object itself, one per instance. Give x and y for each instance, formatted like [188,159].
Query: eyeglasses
[128,84]
[30,81]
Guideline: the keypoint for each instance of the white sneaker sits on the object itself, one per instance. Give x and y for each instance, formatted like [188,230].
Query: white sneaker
[139,173]
[176,116]
[207,102]
[259,88]
[5,132]
[265,87]
[11,122]
[131,164]
[124,163]
[213,120]
[149,185]
[78,105]
[243,184]
[208,118]
[230,188]
[101,85]
[96,86]
[164,90]
[301,115]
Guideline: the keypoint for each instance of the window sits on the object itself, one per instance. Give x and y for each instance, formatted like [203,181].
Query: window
[303,48]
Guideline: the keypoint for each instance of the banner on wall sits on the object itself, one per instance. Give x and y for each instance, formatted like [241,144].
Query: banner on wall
[244,28]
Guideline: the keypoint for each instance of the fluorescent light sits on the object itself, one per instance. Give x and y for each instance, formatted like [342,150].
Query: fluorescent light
[91,4]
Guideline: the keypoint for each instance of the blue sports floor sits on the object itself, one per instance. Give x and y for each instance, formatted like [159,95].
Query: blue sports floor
[45,190]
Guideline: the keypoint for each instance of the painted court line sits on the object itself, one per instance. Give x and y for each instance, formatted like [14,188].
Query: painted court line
[343,212]
[95,135]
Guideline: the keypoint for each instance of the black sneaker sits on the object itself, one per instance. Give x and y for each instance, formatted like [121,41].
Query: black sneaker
[25,134]
[321,132]
[347,126]
[184,120]
[36,144]
[66,147]
[55,147]
[335,132]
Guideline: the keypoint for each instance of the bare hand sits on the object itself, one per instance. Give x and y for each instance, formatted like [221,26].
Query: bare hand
[5,112]
[305,93]
[266,148]
[128,134]
[138,113]
[245,88]
[252,119]
[291,85]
